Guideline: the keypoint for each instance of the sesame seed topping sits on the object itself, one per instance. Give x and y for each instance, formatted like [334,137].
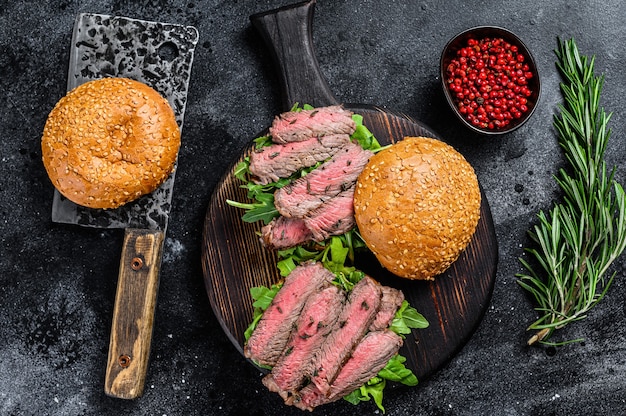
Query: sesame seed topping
[427,197]
[97,138]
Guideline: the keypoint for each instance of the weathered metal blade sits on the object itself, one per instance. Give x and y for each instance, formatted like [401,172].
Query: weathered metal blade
[157,54]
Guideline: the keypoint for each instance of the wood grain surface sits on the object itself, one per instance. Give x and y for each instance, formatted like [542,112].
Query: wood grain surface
[234,260]
[133,313]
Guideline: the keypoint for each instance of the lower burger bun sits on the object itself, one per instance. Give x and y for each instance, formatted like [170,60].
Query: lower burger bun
[417,205]
[110,141]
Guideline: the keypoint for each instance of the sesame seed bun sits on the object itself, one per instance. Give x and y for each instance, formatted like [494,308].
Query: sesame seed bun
[110,141]
[417,205]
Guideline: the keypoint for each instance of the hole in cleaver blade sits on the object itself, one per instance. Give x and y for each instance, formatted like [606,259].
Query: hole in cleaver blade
[157,54]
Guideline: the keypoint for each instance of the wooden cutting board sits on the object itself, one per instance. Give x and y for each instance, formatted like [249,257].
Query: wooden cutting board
[234,260]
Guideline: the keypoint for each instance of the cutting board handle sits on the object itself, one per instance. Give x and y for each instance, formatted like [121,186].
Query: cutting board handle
[287,32]
[133,313]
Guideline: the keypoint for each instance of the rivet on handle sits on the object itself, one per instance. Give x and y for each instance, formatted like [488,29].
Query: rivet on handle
[124,361]
[136,263]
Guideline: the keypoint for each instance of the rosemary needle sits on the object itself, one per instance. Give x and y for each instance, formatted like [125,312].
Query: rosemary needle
[579,238]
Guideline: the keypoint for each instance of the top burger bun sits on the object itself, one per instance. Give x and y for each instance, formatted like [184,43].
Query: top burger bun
[417,205]
[110,141]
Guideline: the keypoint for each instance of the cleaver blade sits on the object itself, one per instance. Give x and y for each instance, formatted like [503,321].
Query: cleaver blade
[159,55]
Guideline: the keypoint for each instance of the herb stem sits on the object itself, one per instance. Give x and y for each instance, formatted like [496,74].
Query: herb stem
[241,205]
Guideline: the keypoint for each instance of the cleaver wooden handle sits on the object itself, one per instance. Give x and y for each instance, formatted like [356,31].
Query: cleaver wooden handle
[133,313]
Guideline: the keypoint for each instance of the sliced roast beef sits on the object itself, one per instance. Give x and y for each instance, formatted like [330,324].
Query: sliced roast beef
[354,321]
[389,304]
[271,163]
[268,340]
[335,217]
[334,176]
[283,232]
[316,320]
[369,357]
[295,126]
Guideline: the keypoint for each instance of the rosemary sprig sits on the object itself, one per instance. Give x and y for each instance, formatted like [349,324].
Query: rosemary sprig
[578,239]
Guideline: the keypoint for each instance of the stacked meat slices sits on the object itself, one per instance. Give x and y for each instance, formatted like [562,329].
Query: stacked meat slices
[321,342]
[319,204]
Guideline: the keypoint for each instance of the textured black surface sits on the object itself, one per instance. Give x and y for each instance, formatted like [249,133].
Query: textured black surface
[57,282]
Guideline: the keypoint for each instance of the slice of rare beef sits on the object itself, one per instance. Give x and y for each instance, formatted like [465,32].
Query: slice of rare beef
[295,126]
[314,189]
[369,357]
[268,340]
[283,232]
[271,163]
[355,318]
[389,304]
[316,320]
[335,217]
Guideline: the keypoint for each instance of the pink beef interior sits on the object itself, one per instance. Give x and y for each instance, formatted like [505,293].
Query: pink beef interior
[369,357]
[335,217]
[296,126]
[311,191]
[354,321]
[312,327]
[277,161]
[273,330]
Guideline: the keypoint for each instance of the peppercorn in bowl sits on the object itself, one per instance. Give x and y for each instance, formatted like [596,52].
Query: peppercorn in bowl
[490,79]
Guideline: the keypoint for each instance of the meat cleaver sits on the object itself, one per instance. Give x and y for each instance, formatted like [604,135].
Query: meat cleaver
[159,55]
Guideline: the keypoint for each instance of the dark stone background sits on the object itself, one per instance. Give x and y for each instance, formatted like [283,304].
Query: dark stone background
[57,282]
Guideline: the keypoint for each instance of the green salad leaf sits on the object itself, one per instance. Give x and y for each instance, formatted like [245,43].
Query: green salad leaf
[363,136]
[372,389]
[396,371]
[407,318]
[263,297]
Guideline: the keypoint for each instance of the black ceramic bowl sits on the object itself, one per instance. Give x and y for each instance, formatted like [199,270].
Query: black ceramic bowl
[478,33]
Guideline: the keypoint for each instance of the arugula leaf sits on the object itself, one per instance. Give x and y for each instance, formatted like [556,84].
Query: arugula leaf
[291,257]
[285,266]
[250,329]
[396,371]
[296,107]
[265,213]
[263,141]
[263,297]
[363,136]
[335,257]
[261,210]
[407,318]
[372,389]
[356,397]
[242,169]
